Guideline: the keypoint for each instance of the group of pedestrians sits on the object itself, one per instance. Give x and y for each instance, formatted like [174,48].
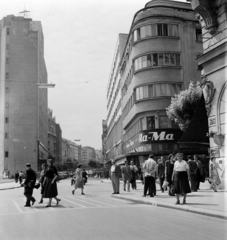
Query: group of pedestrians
[47,181]
[179,176]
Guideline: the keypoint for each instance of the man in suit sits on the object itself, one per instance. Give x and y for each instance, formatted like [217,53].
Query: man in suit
[134,170]
[161,172]
[192,172]
[28,185]
[149,170]
[126,174]
[199,172]
[115,173]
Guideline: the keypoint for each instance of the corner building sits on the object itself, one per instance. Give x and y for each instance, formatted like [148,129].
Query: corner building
[159,60]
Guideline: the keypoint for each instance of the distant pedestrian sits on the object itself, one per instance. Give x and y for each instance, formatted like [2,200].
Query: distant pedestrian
[213,174]
[79,181]
[50,190]
[134,170]
[161,172]
[21,176]
[181,178]
[169,164]
[16,177]
[41,180]
[149,172]
[28,185]
[115,173]
[126,174]
[142,173]
[192,172]
[199,172]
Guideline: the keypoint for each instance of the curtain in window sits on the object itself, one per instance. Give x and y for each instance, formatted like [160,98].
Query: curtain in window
[160,59]
[151,94]
[155,59]
[135,35]
[148,60]
[153,30]
[144,61]
[143,32]
[157,90]
[140,63]
[166,57]
[148,31]
[172,59]
[163,121]
[136,64]
[145,92]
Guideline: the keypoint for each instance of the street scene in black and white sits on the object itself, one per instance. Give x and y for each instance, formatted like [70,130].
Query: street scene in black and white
[113,119]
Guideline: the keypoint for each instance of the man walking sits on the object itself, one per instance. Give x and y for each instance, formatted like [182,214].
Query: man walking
[28,184]
[192,172]
[199,172]
[126,174]
[161,172]
[115,173]
[149,169]
[134,170]
[16,176]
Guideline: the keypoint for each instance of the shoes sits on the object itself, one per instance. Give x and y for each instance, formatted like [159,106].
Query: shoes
[113,193]
[124,189]
[184,201]
[152,196]
[41,201]
[27,205]
[72,192]
[33,202]
[177,202]
[48,205]
[215,190]
[117,193]
[82,193]
[58,201]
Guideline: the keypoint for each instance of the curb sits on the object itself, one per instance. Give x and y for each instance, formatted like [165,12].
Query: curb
[1,189]
[164,205]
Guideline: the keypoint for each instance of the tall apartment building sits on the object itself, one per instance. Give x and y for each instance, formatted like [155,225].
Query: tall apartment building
[52,135]
[88,153]
[158,61]
[58,144]
[23,106]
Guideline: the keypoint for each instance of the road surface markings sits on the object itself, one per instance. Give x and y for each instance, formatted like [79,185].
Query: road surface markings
[73,203]
[115,199]
[102,202]
[17,206]
[79,199]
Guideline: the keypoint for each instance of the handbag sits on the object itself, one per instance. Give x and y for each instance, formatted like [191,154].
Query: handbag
[37,185]
[165,185]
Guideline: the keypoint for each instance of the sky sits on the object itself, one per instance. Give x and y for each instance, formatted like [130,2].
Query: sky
[79,43]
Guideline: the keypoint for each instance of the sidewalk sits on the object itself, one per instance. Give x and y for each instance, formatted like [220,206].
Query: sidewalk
[7,184]
[204,202]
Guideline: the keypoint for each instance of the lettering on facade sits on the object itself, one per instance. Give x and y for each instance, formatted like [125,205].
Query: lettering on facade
[155,136]
[212,121]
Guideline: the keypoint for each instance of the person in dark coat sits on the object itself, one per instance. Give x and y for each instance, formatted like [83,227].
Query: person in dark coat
[28,185]
[192,172]
[50,190]
[161,172]
[169,164]
[16,176]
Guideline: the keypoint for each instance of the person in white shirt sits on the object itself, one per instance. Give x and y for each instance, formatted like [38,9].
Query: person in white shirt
[181,178]
[149,175]
[115,173]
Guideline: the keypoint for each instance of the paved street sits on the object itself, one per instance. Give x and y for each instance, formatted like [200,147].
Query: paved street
[97,215]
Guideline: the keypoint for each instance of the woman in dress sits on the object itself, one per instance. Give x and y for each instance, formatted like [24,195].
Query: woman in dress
[213,174]
[169,164]
[181,178]
[41,180]
[50,190]
[79,180]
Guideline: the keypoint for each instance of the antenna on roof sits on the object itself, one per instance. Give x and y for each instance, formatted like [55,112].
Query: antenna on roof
[24,13]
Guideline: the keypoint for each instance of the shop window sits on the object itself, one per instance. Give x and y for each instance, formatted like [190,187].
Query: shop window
[151,122]
[198,34]
[163,121]
[6,154]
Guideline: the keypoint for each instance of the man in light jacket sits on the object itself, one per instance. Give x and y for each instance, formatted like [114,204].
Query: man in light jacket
[115,173]
[149,173]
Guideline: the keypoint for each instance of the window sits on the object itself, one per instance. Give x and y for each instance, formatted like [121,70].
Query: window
[6,120]
[173,30]
[162,29]
[7,31]
[151,122]
[198,34]
[142,124]
[163,122]
[6,135]
[6,154]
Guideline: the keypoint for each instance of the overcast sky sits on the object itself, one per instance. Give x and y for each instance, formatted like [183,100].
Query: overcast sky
[79,42]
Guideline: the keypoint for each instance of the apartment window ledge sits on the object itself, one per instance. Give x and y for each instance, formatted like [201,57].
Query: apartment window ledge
[154,67]
[154,37]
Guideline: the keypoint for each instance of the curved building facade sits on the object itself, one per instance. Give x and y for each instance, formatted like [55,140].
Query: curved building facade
[159,61]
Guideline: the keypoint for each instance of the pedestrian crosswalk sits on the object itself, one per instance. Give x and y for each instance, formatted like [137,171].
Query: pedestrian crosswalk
[16,206]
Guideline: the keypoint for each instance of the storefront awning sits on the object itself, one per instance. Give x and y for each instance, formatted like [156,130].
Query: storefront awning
[196,134]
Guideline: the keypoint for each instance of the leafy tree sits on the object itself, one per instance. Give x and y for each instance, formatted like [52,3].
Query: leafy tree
[92,164]
[183,106]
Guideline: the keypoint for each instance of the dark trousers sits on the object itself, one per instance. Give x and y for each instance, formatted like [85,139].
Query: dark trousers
[133,183]
[161,180]
[28,194]
[198,176]
[193,182]
[149,185]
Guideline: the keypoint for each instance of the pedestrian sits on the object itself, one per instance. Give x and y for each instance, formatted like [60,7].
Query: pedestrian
[169,164]
[134,171]
[149,172]
[126,174]
[199,172]
[213,174]
[16,176]
[161,172]
[41,180]
[142,173]
[79,181]
[50,190]
[84,175]
[21,176]
[28,185]
[181,178]
[115,173]
[192,172]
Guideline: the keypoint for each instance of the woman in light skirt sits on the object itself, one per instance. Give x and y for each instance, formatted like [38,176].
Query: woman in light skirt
[79,183]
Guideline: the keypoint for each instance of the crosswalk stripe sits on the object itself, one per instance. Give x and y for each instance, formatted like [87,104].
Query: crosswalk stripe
[86,202]
[73,202]
[115,199]
[102,202]
[17,206]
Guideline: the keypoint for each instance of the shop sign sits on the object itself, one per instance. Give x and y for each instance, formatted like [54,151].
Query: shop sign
[160,135]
